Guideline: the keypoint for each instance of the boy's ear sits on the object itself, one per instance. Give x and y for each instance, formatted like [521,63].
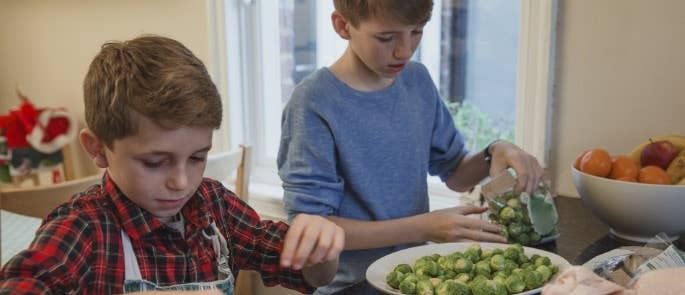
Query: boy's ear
[93,147]
[340,25]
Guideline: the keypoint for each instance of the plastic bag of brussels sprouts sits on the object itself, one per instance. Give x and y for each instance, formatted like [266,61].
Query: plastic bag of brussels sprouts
[525,219]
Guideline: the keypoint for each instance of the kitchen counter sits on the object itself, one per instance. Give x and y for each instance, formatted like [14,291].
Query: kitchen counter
[583,235]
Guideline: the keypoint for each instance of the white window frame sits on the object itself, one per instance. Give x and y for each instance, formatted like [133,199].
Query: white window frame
[246,95]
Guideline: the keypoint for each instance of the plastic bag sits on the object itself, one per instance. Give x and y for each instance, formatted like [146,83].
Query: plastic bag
[525,219]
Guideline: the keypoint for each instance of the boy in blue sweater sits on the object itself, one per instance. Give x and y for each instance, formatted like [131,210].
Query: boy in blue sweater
[360,137]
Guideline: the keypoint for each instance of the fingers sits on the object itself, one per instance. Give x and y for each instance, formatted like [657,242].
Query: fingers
[292,240]
[467,210]
[311,240]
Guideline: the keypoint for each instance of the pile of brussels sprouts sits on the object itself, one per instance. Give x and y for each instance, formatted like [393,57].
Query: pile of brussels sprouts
[473,272]
[512,216]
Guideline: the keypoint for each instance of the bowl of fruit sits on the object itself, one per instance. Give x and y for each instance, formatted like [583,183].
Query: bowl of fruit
[638,195]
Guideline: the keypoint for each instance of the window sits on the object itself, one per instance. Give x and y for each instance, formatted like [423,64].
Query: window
[489,59]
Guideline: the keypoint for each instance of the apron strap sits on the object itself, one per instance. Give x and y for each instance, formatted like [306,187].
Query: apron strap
[132,270]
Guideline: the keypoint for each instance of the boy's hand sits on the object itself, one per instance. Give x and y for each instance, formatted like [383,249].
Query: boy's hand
[453,224]
[311,239]
[528,170]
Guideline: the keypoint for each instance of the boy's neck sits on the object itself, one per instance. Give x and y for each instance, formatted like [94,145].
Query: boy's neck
[353,72]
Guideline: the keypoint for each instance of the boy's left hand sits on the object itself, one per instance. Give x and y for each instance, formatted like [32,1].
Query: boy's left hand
[311,239]
[528,170]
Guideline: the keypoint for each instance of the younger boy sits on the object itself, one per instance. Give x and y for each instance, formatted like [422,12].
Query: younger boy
[154,223]
[360,137]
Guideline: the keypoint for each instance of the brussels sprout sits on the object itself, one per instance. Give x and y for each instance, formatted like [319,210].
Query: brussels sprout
[500,280]
[545,272]
[394,278]
[497,262]
[509,266]
[532,279]
[435,257]
[488,287]
[517,271]
[450,274]
[554,268]
[497,251]
[515,284]
[516,229]
[519,216]
[403,268]
[429,268]
[452,287]
[534,257]
[464,277]
[523,239]
[514,203]
[534,237]
[511,253]
[523,258]
[408,287]
[486,255]
[499,273]
[483,268]
[507,214]
[504,232]
[527,265]
[463,265]
[435,281]
[425,287]
[542,261]
[447,262]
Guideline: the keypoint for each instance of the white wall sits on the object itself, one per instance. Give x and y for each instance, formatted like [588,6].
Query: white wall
[620,78]
[46,46]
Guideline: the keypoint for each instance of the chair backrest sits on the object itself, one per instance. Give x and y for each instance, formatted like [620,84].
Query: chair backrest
[223,167]
[39,201]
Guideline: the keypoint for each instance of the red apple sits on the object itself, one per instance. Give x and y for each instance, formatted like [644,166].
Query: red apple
[658,153]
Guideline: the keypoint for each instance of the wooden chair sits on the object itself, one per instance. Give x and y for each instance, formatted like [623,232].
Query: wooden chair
[232,165]
[38,201]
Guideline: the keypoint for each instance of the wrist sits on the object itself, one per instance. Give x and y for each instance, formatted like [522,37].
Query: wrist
[488,151]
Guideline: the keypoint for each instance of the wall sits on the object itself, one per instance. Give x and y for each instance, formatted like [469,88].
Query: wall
[619,78]
[46,46]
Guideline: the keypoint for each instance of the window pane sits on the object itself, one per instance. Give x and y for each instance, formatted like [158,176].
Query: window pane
[472,56]
[478,66]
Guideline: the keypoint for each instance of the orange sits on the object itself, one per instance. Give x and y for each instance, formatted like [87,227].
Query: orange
[596,162]
[623,167]
[576,164]
[653,175]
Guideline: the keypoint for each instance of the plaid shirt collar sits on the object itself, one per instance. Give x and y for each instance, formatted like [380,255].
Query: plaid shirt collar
[138,223]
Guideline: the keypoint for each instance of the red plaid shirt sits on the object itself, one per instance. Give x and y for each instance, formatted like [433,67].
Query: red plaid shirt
[78,247]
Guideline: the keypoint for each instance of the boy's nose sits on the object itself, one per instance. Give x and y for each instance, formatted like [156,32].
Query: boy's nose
[178,179]
[403,50]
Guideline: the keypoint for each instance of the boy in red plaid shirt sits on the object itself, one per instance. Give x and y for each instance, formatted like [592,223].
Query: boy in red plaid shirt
[154,223]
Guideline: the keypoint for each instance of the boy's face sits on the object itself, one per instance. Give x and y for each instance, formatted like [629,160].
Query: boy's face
[159,169]
[384,47]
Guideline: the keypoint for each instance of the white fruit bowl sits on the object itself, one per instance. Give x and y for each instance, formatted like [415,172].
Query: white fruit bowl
[633,211]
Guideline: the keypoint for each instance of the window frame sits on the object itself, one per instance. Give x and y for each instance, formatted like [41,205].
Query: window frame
[230,37]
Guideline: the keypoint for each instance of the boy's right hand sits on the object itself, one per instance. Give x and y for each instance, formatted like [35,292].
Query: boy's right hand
[453,224]
[311,239]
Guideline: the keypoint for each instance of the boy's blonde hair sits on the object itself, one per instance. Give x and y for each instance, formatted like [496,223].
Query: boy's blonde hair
[407,12]
[149,76]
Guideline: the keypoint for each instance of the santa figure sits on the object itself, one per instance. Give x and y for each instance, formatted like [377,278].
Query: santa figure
[34,137]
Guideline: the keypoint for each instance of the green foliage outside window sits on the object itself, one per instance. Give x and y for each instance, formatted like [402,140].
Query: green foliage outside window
[479,128]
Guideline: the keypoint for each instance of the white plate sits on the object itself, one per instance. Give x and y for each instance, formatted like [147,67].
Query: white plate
[377,271]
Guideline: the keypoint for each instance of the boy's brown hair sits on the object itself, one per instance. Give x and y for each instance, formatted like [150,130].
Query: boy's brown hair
[407,12]
[149,76]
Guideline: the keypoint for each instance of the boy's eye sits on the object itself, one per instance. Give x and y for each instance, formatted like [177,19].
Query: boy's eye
[417,32]
[384,38]
[197,159]
[152,164]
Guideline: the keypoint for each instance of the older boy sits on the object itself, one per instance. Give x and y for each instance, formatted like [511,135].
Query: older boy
[360,137]
[154,223]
